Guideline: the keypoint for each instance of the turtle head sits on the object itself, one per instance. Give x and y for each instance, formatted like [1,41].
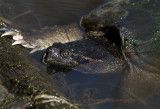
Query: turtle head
[59,58]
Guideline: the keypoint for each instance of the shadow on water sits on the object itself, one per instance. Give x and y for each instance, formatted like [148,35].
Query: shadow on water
[135,87]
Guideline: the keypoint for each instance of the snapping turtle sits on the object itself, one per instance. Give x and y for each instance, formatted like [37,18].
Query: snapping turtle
[135,78]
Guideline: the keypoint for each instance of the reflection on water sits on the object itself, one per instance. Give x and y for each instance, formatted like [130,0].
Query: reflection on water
[137,86]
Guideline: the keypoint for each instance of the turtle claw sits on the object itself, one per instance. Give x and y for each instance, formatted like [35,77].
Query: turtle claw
[16,36]
[21,41]
[11,32]
[8,33]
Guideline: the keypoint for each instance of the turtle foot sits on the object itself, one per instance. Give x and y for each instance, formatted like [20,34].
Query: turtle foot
[16,36]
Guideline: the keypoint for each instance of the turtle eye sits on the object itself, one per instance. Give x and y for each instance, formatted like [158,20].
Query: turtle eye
[64,53]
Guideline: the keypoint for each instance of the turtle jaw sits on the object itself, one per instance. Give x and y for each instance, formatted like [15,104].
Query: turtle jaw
[61,64]
[56,61]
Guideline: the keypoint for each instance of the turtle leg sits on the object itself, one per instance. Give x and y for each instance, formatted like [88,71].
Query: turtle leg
[16,36]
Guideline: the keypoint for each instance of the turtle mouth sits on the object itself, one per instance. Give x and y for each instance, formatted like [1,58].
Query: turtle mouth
[61,64]
[54,66]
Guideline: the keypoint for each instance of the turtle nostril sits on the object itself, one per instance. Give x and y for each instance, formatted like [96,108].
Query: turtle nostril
[48,50]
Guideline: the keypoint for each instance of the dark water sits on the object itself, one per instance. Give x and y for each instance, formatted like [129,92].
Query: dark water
[37,13]
[137,89]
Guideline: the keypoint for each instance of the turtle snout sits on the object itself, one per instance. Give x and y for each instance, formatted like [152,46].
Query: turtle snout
[49,49]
